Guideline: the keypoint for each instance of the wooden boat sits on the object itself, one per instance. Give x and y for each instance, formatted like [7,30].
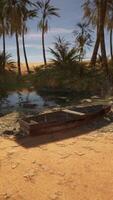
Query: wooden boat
[61,120]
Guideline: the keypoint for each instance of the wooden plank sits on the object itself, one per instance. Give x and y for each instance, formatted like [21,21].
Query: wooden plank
[73,112]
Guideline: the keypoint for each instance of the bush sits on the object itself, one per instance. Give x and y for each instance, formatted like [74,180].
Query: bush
[92,81]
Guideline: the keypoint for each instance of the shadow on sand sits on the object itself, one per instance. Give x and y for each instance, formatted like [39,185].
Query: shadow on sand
[31,142]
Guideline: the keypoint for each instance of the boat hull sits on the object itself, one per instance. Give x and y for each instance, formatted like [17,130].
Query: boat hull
[58,121]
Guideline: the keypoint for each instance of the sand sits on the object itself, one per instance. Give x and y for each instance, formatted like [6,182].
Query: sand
[32,66]
[57,167]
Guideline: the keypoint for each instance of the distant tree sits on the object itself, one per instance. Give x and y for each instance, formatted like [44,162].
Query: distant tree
[46,11]
[83,39]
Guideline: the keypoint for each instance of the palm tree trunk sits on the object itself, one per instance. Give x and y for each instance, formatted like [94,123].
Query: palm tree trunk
[4,46]
[103,50]
[18,55]
[43,46]
[111,46]
[102,35]
[97,43]
[24,49]
[95,51]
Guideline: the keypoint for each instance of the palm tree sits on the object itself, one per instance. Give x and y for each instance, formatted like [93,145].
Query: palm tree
[3,28]
[91,15]
[109,23]
[16,10]
[14,18]
[63,55]
[28,14]
[46,12]
[102,17]
[95,12]
[8,61]
[83,38]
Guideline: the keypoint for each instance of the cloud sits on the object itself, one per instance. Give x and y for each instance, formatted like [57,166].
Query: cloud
[11,48]
[32,39]
[34,46]
[28,46]
[32,36]
[52,31]
[60,30]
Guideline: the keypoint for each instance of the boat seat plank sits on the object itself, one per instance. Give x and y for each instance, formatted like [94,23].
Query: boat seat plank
[33,122]
[73,112]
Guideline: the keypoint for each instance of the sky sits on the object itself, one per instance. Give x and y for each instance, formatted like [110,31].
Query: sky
[70,14]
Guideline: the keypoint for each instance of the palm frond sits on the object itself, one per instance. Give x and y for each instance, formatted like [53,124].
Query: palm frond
[62,54]
[46,11]
[9,62]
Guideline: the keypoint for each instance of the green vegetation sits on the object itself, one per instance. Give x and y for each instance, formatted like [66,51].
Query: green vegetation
[9,82]
[67,71]
[68,78]
[63,55]
[7,60]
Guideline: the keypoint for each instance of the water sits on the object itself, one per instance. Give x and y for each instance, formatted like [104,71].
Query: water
[24,100]
[30,100]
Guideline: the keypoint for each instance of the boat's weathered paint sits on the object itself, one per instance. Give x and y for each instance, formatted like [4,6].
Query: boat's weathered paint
[61,120]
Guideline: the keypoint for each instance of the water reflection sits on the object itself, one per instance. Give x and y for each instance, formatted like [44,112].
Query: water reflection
[24,99]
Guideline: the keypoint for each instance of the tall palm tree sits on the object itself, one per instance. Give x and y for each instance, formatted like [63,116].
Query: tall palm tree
[102,18]
[15,16]
[91,14]
[27,14]
[109,23]
[3,28]
[46,11]
[95,12]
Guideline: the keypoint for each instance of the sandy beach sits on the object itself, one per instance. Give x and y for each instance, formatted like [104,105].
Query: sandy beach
[75,165]
[56,56]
